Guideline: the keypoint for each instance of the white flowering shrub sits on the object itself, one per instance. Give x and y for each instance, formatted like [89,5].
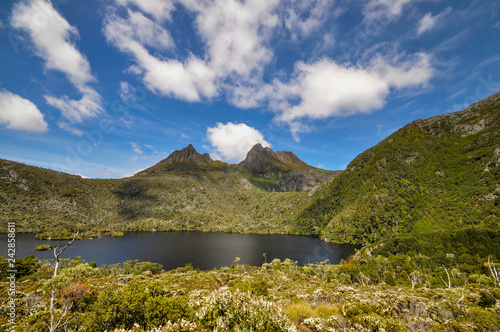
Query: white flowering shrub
[240,311]
[180,326]
[314,324]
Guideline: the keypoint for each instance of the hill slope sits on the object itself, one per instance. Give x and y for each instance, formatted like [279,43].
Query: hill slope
[186,191]
[440,175]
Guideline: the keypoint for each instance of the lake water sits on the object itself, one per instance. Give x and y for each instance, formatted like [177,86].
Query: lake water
[175,249]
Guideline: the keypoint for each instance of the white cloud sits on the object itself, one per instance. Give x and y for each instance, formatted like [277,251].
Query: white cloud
[53,38]
[20,114]
[89,106]
[426,23]
[65,126]
[235,35]
[429,22]
[232,141]
[326,89]
[384,9]
[305,17]
[159,9]
[143,30]
[136,148]
[188,81]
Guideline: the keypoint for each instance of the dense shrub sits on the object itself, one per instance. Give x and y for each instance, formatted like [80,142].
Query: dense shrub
[259,287]
[146,304]
[227,311]
[486,300]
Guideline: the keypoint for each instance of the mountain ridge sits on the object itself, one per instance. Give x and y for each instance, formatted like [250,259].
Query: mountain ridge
[436,175]
[439,175]
[185,191]
[258,160]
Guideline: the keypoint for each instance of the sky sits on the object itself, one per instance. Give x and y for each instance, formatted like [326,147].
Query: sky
[104,89]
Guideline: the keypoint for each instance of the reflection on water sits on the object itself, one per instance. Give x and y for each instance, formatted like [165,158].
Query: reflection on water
[175,249]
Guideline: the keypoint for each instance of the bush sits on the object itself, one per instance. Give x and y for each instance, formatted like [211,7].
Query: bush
[24,267]
[141,303]
[486,300]
[484,320]
[259,288]
[155,268]
[299,311]
[226,311]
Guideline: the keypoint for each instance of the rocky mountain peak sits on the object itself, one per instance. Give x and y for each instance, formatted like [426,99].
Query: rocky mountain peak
[187,155]
[263,159]
[259,159]
[180,159]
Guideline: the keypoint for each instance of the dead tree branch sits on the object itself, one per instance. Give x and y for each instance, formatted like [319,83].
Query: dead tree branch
[494,272]
[54,325]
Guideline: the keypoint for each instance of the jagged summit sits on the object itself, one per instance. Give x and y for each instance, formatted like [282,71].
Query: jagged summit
[187,155]
[187,158]
[260,159]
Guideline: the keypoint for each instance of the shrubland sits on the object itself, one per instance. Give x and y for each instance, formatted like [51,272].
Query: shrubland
[370,293]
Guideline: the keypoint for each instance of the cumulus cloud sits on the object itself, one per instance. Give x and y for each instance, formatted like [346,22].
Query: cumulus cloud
[88,106]
[235,35]
[232,141]
[187,80]
[53,38]
[20,114]
[326,89]
[429,22]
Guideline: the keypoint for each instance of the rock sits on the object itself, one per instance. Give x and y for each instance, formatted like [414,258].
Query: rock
[260,159]
[245,184]
[187,155]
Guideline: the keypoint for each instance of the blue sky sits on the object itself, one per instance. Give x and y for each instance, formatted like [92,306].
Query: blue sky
[107,88]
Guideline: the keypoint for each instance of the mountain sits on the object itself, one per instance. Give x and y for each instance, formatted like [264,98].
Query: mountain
[282,170]
[185,191]
[264,168]
[431,179]
[262,160]
[184,160]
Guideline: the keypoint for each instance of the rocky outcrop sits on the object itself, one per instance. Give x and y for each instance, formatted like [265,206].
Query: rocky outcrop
[291,173]
[260,160]
[181,159]
[272,171]
[187,155]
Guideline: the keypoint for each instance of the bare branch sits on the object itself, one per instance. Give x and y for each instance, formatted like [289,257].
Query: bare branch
[449,279]
[55,325]
[58,253]
[494,272]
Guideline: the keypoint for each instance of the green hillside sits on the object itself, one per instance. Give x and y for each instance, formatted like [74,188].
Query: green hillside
[434,176]
[186,191]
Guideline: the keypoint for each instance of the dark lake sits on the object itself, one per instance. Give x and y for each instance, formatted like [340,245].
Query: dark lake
[175,249]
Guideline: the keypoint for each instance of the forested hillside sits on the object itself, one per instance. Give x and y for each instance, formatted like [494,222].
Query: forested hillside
[432,179]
